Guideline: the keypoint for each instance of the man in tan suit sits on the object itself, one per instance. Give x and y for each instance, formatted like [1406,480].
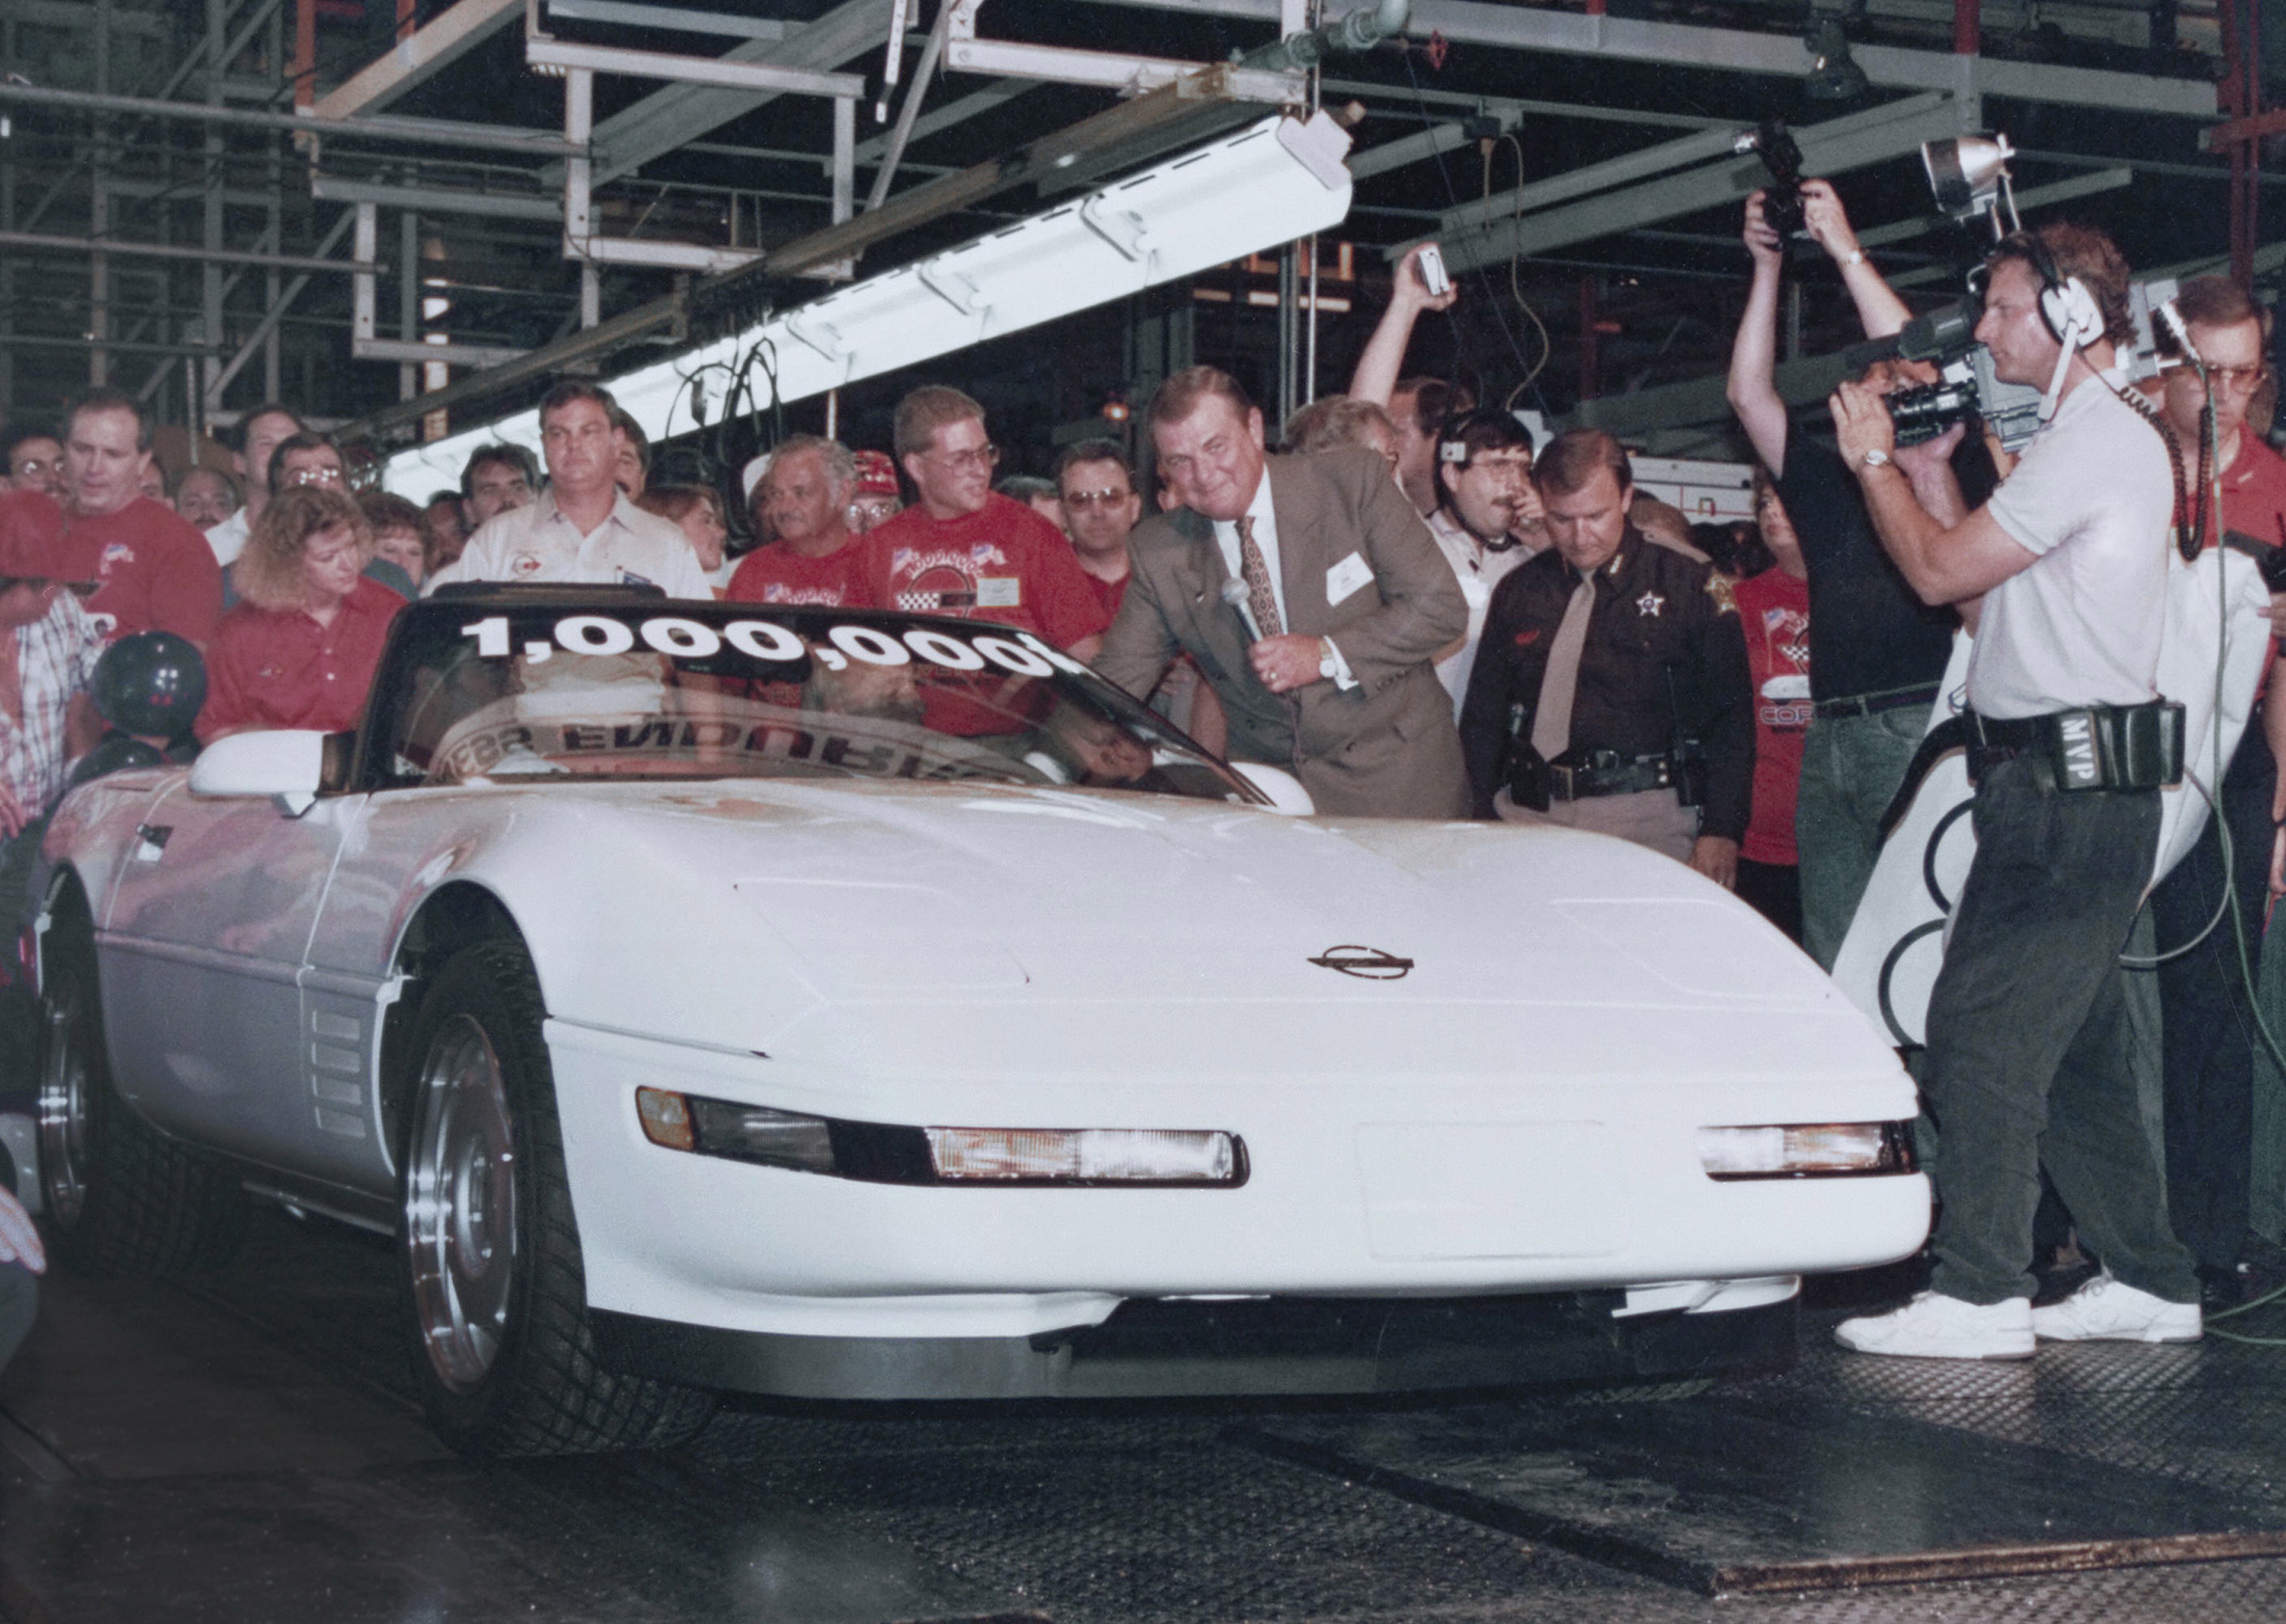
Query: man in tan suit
[1311,596]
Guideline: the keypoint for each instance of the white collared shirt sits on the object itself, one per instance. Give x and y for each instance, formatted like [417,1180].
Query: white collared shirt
[536,542]
[1265,541]
[228,539]
[1478,570]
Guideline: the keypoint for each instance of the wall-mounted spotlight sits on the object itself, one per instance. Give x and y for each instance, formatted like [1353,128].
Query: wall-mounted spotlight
[1968,176]
[1834,75]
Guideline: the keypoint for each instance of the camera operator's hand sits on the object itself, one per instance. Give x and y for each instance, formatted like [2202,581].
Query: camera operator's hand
[1763,244]
[1827,221]
[1408,288]
[1861,424]
[1929,457]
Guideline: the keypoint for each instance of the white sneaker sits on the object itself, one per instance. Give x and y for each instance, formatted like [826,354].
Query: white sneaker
[1935,1327]
[2109,1310]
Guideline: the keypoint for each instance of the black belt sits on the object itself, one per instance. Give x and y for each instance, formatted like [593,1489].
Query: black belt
[1610,775]
[2095,747]
[1873,705]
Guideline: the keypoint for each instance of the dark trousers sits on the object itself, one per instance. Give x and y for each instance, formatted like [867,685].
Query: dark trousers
[1774,891]
[2207,1031]
[2028,1042]
[20,1300]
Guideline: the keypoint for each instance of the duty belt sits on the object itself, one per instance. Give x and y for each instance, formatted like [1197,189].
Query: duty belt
[1606,772]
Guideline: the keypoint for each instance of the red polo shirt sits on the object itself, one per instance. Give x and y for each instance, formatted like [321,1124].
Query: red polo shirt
[157,571]
[269,669]
[1109,593]
[1002,562]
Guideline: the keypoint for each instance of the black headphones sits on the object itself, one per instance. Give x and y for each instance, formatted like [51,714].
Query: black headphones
[2067,309]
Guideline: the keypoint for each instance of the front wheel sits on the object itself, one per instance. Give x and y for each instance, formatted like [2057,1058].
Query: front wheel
[494,1287]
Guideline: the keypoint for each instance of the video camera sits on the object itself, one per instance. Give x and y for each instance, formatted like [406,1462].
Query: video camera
[1946,338]
[1782,199]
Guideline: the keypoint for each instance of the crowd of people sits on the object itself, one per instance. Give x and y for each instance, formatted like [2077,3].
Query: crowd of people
[1418,611]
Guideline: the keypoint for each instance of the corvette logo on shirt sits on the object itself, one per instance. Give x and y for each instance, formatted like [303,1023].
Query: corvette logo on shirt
[524,563]
[116,552]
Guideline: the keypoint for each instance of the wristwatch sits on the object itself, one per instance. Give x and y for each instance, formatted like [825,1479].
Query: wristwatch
[1877,458]
[1327,659]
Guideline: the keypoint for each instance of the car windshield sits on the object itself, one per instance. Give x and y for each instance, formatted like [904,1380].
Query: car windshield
[496,690]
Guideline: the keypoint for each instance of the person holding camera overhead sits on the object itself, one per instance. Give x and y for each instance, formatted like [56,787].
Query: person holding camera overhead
[2027,1024]
[1877,652]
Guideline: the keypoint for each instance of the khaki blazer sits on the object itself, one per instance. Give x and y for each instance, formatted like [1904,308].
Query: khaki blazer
[1385,748]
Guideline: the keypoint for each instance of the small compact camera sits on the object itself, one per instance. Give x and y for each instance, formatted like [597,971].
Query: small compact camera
[1430,263]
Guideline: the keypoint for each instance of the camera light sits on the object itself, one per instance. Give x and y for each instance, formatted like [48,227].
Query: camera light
[1821,1150]
[1085,1155]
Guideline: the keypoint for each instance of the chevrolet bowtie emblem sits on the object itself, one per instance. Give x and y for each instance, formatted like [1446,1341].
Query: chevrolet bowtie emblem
[1370,962]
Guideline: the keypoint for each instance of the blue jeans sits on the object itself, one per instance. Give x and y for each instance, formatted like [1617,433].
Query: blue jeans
[1850,768]
[2028,1054]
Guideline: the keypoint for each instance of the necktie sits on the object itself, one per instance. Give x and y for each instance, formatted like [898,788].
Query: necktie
[1551,723]
[1259,597]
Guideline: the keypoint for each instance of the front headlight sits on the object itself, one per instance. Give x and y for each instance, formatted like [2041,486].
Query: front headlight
[1816,1150]
[886,1152]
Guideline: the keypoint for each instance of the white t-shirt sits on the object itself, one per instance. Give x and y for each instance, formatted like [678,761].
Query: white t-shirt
[1478,571]
[2094,496]
[536,542]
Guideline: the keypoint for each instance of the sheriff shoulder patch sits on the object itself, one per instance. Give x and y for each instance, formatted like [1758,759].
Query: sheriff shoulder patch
[1718,587]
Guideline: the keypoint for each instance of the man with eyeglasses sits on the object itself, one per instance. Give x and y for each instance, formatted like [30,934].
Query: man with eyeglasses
[1484,493]
[964,548]
[33,459]
[153,571]
[1101,508]
[2206,1016]
[307,459]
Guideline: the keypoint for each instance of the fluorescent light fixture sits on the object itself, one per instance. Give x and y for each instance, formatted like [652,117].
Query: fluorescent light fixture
[1280,179]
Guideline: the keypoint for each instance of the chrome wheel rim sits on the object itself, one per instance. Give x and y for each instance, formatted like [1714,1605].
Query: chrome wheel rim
[460,1204]
[63,1117]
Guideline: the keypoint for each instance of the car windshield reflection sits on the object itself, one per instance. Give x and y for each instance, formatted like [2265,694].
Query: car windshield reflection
[478,692]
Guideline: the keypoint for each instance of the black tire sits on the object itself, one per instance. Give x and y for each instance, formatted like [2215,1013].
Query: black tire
[493,1286]
[122,1197]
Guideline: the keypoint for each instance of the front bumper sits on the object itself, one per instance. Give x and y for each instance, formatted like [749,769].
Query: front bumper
[1279,1345]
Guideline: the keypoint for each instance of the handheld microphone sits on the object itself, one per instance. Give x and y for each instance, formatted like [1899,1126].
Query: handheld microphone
[1235,594]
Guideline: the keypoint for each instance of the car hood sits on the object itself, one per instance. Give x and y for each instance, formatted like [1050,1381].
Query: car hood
[1198,926]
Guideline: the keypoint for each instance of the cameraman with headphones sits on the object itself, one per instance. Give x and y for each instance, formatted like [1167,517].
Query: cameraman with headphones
[2027,1024]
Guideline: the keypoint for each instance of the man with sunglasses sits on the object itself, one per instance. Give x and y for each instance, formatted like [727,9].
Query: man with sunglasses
[2206,1022]
[2029,1034]
[964,548]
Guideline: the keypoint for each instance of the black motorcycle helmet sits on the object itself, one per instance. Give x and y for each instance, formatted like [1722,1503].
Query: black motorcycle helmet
[151,683]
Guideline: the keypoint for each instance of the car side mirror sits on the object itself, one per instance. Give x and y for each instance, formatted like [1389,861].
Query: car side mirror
[1288,798]
[288,765]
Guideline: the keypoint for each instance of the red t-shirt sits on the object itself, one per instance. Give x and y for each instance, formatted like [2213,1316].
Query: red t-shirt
[158,573]
[271,669]
[777,574]
[1774,612]
[1002,562]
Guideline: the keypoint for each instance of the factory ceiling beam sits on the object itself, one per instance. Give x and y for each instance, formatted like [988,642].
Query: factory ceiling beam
[1472,22]
[666,119]
[393,130]
[37,242]
[1478,235]
[437,200]
[420,56]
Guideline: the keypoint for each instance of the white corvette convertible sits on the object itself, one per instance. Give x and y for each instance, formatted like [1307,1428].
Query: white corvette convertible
[844,1005]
